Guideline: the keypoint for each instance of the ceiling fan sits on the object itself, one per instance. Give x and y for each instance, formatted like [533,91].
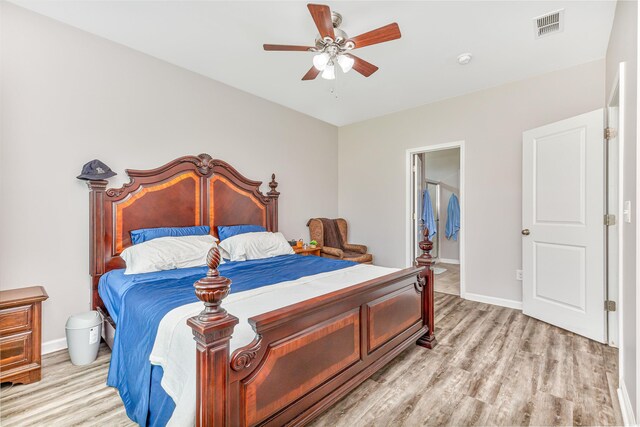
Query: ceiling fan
[333,46]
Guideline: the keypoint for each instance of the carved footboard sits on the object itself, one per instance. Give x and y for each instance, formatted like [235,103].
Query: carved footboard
[307,355]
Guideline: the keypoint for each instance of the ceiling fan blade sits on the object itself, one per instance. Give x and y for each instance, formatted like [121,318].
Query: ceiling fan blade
[286,47]
[363,67]
[311,74]
[380,35]
[321,15]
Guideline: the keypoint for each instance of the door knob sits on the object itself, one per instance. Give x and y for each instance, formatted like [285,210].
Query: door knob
[526,232]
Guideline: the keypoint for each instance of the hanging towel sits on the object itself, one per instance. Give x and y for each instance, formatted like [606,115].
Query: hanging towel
[453,218]
[428,220]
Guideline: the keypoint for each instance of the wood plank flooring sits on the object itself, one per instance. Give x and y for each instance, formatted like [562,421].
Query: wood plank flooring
[449,281]
[67,395]
[492,366]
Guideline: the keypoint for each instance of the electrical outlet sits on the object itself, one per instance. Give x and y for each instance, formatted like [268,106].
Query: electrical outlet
[518,274]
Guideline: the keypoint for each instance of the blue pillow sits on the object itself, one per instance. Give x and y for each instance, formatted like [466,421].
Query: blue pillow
[226,231]
[146,234]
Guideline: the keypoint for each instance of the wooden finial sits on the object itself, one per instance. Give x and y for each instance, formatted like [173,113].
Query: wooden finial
[273,185]
[426,245]
[212,289]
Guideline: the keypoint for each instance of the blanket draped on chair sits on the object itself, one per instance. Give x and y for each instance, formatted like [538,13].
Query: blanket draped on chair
[332,236]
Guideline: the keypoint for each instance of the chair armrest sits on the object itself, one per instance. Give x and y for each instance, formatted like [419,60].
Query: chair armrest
[362,249]
[332,251]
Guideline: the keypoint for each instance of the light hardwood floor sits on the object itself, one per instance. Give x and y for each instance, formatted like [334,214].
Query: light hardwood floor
[449,281]
[67,395]
[492,366]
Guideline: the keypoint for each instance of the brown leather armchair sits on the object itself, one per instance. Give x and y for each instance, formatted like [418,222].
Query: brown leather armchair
[350,252]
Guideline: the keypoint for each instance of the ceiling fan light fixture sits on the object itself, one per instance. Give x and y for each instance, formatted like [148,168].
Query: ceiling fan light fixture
[345,62]
[320,61]
[333,45]
[329,72]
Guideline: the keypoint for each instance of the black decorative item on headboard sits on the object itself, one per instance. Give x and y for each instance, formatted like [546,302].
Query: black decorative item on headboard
[95,170]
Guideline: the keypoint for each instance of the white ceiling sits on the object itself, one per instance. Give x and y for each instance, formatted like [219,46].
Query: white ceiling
[223,40]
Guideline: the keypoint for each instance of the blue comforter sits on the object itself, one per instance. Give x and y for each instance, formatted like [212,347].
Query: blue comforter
[142,300]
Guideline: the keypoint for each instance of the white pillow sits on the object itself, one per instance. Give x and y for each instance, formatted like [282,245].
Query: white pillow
[247,246]
[167,253]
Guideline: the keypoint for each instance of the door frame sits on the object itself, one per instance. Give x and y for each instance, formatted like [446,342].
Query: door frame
[617,89]
[619,85]
[409,211]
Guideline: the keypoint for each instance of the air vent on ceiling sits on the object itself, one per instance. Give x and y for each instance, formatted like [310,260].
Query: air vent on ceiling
[549,23]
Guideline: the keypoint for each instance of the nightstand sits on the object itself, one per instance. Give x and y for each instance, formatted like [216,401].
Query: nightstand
[308,251]
[20,334]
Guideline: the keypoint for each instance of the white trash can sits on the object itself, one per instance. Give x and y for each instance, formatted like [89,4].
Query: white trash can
[83,337]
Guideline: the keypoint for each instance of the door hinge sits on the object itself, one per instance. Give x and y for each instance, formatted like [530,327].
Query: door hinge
[609,220]
[610,133]
[414,168]
[609,305]
[413,216]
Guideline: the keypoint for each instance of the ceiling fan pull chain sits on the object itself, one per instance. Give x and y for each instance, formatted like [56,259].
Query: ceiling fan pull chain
[334,88]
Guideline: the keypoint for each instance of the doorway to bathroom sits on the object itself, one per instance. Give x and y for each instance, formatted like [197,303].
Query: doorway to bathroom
[436,204]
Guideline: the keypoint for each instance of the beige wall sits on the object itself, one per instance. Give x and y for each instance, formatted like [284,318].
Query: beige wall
[69,97]
[623,47]
[372,171]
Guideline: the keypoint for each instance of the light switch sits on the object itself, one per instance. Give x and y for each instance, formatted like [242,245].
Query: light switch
[626,212]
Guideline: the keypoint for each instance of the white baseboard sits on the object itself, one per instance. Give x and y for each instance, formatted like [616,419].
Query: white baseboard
[625,405]
[509,303]
[54,345]
[449,261]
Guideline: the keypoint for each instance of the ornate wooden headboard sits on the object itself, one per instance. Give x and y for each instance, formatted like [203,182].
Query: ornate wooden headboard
[191,190]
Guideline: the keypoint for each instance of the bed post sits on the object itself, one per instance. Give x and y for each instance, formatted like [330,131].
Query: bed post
[96,233]
[425,261]
[212,330]
[273,205]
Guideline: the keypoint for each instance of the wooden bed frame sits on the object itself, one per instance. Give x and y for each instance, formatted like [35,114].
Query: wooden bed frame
[305,356]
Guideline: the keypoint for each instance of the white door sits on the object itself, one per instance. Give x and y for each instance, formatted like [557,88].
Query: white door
[563,227]
[417,204]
